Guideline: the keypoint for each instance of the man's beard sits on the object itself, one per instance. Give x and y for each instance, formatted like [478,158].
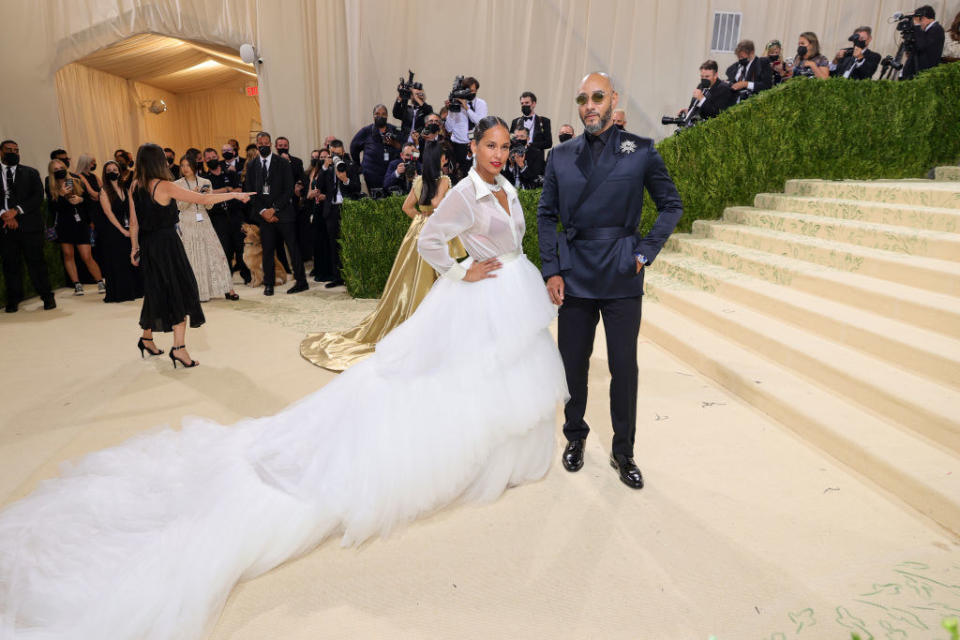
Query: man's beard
[605,118]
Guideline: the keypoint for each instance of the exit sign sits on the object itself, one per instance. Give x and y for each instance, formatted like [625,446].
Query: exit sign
[253,91]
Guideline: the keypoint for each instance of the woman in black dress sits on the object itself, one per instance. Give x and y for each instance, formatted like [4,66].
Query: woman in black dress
[124,280]
[170,289]
[71,221]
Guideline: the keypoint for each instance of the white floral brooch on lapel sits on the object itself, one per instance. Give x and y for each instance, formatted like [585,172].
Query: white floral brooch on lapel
[628,146]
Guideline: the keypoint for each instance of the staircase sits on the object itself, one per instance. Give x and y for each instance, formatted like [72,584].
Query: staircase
[835,308]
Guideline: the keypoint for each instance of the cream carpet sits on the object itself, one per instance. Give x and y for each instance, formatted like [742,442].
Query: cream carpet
[743,530]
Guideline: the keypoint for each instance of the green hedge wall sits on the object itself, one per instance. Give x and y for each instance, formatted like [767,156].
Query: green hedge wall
[804,128]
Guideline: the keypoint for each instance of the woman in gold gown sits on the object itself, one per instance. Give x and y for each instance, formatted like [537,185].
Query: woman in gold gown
[409,281]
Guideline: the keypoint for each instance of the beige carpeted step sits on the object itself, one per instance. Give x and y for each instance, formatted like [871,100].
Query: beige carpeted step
[925,352]
[951,174]
[903,397]
[918,217]
[917,471]
[924,273]
[935,311]
[925,193]
[887,237]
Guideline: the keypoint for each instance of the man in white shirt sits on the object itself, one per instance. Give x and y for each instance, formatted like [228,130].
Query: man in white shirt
[858,62]
[462,116]
[749,74]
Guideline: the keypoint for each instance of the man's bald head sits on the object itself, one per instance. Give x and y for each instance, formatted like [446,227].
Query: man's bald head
[596,101]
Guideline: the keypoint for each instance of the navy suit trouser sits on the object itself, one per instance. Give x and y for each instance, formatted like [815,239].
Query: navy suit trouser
[576,329]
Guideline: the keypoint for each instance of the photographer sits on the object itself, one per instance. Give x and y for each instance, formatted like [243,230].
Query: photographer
[379,144]
[566,133]
[341,182]
[929,37]
[712,95]
[465,110]
[411,116]
[432,131]
[403,170]
[774,58]
[538,127]
[749,74]
[857,62]
[525,166]
[809,63]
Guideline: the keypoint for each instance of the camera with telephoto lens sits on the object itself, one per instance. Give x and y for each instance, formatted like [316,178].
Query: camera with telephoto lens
[407,87]
[338,163]
[431,129]
[459,92]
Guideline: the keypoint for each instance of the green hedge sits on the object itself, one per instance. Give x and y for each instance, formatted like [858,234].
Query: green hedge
[804,128]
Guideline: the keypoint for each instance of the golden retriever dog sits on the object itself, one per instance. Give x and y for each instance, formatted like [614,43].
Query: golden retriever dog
[253,257]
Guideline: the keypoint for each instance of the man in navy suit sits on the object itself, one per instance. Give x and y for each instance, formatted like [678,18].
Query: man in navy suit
[593,267]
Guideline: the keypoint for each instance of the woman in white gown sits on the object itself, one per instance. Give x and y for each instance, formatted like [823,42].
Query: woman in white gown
[145,540]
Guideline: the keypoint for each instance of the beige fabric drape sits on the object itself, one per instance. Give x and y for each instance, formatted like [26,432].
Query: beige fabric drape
[327,62]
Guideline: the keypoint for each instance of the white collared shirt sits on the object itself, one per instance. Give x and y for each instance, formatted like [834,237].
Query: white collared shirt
[471,212]
[458,122]
[856,64]
[742,73]
[529,124]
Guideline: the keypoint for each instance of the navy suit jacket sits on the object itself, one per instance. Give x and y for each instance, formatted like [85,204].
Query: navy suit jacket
[600,209]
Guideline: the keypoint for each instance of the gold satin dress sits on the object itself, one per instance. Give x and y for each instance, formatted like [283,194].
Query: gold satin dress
[409,282]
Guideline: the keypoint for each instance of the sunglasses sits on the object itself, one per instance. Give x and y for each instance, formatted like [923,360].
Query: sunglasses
[596,97]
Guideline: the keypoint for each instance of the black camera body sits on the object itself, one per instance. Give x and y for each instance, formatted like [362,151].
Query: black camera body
[339,164]
[907,30]
[459,92]
[857,42]
[407,87]
[410,168]
[431,128]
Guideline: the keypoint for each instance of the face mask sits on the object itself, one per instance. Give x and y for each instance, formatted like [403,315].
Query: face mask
[113,176]
[565,136]
[619,126]
[704,83]
[431,128]
[169,161]
[66,162]
[380,122]
[11,159]
[264,151]
[213,164]
[801,51]
[743,62]
[129,163]
[471,96]
[60,174]
[525,109]
[93,167]
[774,57]
[314,162]
[283,150]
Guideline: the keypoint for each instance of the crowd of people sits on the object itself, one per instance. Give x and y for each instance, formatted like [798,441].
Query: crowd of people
[926,44]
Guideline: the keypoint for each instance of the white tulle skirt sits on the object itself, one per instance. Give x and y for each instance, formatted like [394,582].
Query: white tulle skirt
[145,540]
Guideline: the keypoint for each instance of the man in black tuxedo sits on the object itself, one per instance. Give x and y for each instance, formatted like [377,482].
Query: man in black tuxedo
[398,178]
[271,179]
[412,117]
[525,167]
[713,95]
[537,126]
[928,49]
[857,62]
[594,267]
[21,234]
[749,74]
[342,181]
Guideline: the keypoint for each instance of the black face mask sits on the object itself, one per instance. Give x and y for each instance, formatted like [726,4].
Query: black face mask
[431,128]
[380,122]
[11,159]
[314,162]
[526,109]
[283,150]
[169,161]
[471,96]
[264,151]
[801,51]
[774,57]
[565,136]
[92,168]
[704,84]
[227,155]
[60,174]
[113,176]
[619,126]
[66,162]
[743,62]
[213,164]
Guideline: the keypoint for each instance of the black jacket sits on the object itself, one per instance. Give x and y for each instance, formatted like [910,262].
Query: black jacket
[280,180]
[927,51]
[531,176]
[542,137]
[27,194]
[718,97]
[758,72]
[403,111]
[871,60]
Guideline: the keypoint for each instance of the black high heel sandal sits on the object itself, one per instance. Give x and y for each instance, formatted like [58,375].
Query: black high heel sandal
[175,359]
[144,347]
[231,296]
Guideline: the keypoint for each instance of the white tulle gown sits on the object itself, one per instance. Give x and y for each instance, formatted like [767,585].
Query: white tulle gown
[145,540]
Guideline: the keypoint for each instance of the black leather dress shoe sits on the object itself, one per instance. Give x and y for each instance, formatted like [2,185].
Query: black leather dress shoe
[334,283]
[268,291]
[629,472]
[49,303]
[573,455]
[11,308]
[297,288]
